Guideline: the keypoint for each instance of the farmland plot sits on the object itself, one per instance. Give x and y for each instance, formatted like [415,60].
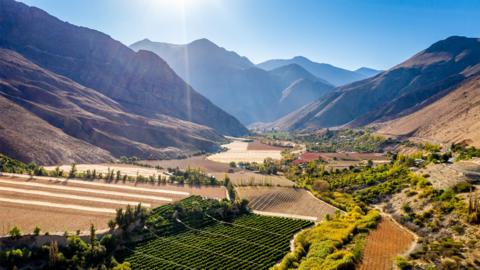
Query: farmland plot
[57,205]
[238,152]
[249,242]
[286,201]
[383,244]
[125,169]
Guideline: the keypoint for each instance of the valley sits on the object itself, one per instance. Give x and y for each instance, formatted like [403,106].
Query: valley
[175,152]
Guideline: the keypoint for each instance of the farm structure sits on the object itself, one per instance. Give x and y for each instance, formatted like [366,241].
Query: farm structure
[283,201]
[57,205]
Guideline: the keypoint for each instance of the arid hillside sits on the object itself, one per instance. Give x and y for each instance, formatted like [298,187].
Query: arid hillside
[419,81]
[50,119]
[454,118]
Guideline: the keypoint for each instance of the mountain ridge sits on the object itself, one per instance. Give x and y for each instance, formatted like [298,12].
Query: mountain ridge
[421,80]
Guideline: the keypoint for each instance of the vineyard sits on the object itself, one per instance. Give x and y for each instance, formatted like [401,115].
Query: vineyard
[248,242]
[289,201]
[383,244]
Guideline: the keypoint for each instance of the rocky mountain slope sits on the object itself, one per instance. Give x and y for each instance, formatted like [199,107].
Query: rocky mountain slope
[52,119]
[233,83]
[141,82]
[406,88]
[332,74]
[72,94]
[454,118]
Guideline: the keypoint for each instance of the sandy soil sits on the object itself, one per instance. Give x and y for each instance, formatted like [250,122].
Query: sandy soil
[286,201]
[383,244]
[442,176]
[238,152]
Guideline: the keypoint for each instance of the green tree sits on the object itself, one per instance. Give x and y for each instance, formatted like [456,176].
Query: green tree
[36,231]
[15,233]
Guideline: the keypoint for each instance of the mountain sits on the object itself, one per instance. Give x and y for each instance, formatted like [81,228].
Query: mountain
[63,121]
[141,82]
[300,87]
[423,79]
[454,118]
[199,54]
[75,95]
[334,75]
[368,72]
[236,85]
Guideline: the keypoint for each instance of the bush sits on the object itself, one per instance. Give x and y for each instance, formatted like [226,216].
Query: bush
[15,233]
[402,263]
[463,187]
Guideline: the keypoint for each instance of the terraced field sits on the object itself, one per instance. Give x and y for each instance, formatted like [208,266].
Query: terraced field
[249,242]
[281,201]
[56,205]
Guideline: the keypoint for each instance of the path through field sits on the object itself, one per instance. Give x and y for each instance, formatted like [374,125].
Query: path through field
[383,244]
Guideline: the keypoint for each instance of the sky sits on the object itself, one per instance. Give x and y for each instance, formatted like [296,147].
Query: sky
[346,33]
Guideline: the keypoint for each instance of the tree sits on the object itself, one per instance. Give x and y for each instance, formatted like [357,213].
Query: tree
[36,231]
[73,171]
[92,235]
[53,253]
[112,224]
[15,233]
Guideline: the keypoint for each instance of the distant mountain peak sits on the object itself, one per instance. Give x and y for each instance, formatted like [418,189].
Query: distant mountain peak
[453,44]
[204,43]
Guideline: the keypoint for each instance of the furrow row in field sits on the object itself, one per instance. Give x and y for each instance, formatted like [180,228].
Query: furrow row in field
[72,196]
[86,190]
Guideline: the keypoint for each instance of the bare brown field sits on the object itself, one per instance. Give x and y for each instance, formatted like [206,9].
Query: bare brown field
[256,145]
[248,178]
[238,152]
[198,162]
[125,169]
[383,244]
[56,205]
[287,201]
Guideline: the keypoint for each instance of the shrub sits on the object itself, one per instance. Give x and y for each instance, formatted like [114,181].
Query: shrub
[402,263]
[15,233]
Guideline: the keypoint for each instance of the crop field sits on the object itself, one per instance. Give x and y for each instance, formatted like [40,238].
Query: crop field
[238,152]
[383,244]
[57,205]
[249,242]
[248,178]
[125,169]
[256,145]
[197,162]
[286,202]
